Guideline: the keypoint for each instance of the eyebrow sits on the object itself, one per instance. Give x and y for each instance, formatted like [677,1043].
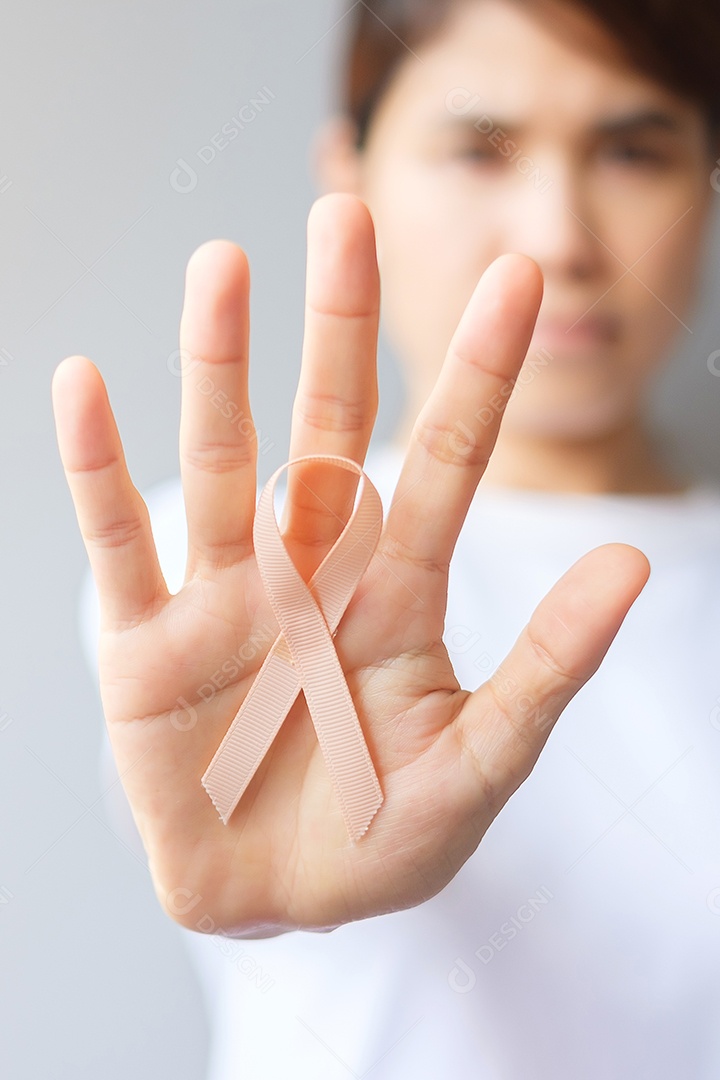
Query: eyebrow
[648,119]
[631,123]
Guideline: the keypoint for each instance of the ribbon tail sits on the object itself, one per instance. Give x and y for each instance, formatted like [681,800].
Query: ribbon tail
[251,733]
[339,732]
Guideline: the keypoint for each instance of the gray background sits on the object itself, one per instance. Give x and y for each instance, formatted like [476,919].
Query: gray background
[100,100]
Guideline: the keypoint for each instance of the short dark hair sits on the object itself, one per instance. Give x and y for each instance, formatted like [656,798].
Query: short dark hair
[676,42]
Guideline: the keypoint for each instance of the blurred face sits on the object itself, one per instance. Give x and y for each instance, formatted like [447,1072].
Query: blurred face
[507,134]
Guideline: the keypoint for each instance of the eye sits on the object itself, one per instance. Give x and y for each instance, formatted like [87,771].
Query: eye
[628,153]
[474,152]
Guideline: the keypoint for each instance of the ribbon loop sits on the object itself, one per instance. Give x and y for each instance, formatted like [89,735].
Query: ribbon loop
[303,656]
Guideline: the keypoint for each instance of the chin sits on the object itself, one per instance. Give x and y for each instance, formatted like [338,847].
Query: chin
[567,419]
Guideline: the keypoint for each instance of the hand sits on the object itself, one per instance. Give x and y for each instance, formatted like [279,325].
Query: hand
[447,758]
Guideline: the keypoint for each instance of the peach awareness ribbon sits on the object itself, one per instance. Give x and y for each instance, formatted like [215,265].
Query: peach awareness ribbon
[303,657]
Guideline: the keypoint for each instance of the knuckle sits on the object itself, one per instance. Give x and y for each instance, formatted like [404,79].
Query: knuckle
[328,412]
[488,793]
[81,468]
[218,457]
[212,556]
[523,736]
[319,528]
[343,310]
[115,534]
[394,548]
[550,662]
[452,446]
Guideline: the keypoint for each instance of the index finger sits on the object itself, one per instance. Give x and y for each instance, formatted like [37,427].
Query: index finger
[451,444]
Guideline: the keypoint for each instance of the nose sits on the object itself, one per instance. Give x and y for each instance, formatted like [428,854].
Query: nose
[551,218]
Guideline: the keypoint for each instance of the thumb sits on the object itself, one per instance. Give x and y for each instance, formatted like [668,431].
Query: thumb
[505,723]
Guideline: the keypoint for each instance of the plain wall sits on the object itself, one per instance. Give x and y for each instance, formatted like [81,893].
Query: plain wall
[101,101]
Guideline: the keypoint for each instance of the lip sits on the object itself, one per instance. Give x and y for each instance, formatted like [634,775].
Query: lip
[576,329]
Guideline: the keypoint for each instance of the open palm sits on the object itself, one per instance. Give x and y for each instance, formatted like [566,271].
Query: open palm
[447,758]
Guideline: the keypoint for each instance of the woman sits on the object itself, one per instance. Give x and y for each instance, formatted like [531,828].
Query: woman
[581,937]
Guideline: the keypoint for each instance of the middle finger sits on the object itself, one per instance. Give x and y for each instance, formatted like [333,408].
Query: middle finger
[336,401]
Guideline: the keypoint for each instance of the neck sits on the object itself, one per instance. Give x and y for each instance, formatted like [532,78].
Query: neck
[627,460]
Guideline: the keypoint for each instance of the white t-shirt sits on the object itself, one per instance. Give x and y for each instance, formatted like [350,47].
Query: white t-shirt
[582,938]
